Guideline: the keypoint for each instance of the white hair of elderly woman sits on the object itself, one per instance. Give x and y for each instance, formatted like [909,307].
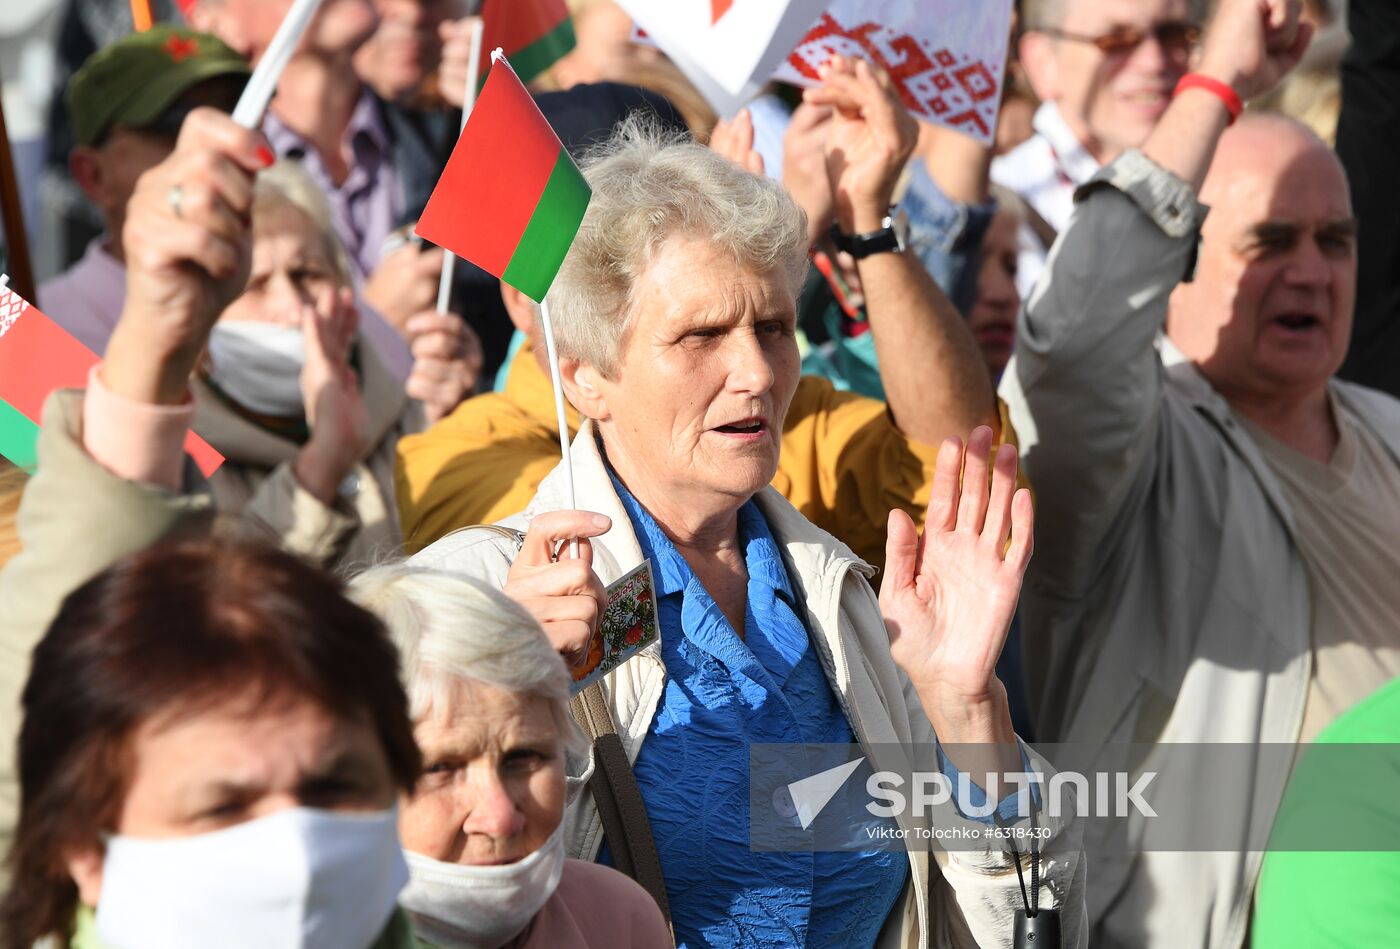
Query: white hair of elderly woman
[287,185]
[648,186]
[448,627]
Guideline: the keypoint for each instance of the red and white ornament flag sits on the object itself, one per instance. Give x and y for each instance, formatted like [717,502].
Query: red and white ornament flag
[946,57]
[727,48]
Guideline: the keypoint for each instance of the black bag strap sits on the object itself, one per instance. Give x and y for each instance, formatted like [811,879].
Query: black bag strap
[613,785]
[619,799]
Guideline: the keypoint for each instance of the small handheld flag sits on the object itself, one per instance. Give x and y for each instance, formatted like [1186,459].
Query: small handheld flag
[511,200]
[36,357]
[533,34]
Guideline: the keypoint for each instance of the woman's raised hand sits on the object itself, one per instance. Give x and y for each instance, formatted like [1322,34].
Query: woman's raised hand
[733,138]
[330,392]
[948,596]
[564,594]
[187,245]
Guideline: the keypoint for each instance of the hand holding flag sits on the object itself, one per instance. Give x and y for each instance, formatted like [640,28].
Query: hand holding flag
[188,244]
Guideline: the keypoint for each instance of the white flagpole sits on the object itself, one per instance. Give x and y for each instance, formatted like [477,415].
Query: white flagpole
[553,353]
[449,259]
[263,83]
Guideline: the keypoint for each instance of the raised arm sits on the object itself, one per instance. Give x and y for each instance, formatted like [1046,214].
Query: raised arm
[1085,385]
[935,380]
[109,479]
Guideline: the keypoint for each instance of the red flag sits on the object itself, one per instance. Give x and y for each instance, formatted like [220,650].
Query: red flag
[533,34]
[38,356]
[510,199]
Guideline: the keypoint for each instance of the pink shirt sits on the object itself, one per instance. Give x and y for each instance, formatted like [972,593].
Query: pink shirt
[86,299]
[596,907]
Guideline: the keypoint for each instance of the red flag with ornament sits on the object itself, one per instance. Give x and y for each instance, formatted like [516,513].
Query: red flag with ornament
[947,57]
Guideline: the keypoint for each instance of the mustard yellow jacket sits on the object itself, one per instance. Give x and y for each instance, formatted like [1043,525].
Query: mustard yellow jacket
[844,464]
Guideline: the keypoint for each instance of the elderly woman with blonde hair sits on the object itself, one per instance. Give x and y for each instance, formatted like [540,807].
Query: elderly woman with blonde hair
[675,313]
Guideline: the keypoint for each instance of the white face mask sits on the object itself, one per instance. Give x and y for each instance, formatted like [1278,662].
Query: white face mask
[462,907]
[298,879]
[258,365]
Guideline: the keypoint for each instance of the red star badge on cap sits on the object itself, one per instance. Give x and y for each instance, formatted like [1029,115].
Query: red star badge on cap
[719,8]
[181,48]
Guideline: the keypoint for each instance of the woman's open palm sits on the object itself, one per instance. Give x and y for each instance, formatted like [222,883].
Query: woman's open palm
[948,596]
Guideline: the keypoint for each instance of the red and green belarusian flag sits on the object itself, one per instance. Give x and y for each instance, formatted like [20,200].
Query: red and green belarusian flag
[533,34]
[38,356]
[510,199]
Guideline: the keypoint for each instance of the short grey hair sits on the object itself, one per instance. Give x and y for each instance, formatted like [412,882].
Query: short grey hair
[650,186]
[288,185]
[448,627]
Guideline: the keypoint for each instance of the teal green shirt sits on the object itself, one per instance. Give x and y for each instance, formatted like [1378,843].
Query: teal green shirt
[1331,878]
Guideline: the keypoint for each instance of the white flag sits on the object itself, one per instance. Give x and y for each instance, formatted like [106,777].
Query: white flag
[947,57]
[727,48]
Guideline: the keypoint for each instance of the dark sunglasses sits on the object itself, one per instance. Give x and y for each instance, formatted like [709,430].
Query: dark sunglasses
[1178,37]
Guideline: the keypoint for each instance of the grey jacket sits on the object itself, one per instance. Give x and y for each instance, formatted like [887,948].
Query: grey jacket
[1167,600]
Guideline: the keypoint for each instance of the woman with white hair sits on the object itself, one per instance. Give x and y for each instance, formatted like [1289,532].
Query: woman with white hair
[484,829]
[306,417]
[675,314]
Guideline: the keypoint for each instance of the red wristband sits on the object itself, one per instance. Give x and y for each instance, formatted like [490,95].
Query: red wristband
[1231,98]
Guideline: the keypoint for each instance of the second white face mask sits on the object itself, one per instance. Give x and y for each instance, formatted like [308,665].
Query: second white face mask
[300,878]
[466,907]
[258,365]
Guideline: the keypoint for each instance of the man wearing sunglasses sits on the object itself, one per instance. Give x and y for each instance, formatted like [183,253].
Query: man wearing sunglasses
[1104,71]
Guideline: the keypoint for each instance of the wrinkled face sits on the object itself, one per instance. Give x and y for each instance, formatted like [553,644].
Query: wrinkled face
[1269,314]
[291,267]
[492,789]
[992,319]
[406,48]
[239,761]
[338,28]
[709,365]
[1113,101]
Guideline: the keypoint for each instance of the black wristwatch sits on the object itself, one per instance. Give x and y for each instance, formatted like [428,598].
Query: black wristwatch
[892,237]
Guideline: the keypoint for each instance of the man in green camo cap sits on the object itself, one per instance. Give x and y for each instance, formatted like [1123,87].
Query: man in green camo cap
[126,105]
